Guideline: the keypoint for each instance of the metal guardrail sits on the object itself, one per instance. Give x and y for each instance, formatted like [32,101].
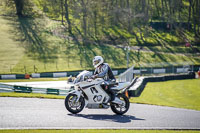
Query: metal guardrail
[25,89]
[138,84]
[135,89]
[148,68]
[128,75]
[22,89]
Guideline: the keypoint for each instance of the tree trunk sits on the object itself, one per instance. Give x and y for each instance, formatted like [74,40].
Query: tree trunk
[162,10]
[189,16]
[157,7]
[84,10]
[194,18]
[197,16]
[170,14]
[95,23]
[67,17]
[129,15]
[62,10]
[19,4]
[127,4]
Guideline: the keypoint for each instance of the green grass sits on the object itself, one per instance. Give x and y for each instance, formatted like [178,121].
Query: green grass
[20,54]
[99,131]
[174,49]
[177,93]
[10,50]
[30,95]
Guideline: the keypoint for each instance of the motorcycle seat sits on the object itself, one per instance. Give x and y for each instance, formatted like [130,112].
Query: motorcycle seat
[120,85]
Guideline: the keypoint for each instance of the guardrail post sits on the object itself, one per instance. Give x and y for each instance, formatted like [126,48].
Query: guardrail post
[45,67]
[56,66]
[10,69]
[35,69]
[24,69]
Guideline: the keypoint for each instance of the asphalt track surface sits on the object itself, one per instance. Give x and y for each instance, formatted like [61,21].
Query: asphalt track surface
[35,113]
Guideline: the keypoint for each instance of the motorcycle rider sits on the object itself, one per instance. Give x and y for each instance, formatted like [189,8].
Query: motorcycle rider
[104,71]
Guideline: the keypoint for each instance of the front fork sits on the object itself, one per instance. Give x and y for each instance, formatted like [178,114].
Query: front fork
[78,93]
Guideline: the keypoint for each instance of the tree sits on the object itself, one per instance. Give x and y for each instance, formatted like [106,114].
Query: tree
[19,4]
[111,21]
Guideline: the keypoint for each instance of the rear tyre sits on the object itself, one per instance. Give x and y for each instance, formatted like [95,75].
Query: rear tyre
[73,106]
[121,109]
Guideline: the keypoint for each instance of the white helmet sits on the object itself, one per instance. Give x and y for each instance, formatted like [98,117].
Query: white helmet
[98,60]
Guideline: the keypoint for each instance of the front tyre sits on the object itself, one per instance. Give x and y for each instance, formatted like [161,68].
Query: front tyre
[121,109]
[73,106]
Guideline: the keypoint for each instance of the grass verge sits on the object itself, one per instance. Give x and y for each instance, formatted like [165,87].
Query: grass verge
[30,95]
[99,131]
[177,93]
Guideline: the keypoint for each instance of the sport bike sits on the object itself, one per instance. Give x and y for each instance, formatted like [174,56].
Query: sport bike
[90,93]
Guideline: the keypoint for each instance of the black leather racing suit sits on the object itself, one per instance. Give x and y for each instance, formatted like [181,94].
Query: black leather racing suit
[104,71]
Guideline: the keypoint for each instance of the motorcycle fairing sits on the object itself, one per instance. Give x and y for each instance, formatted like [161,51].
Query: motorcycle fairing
[94,91]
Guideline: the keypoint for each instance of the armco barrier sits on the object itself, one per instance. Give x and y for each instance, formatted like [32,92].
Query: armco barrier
[9,76]
[46,75]
[136,86]
[25,89]
[59,74]
[22,89]
[75,73]
[39,90]
[139,71]
[139,84]
[53,91]
[40,75]
[135,89]
[13,76]
[35,75]
[20,76]
[51,75]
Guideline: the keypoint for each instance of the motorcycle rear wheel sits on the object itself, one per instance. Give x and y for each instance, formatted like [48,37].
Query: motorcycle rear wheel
[121,109]
[73,106]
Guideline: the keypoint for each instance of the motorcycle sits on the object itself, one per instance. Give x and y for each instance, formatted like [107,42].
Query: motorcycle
[89,93]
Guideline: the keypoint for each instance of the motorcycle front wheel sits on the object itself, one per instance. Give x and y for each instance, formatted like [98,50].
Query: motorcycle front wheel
[72,105]
[121,109]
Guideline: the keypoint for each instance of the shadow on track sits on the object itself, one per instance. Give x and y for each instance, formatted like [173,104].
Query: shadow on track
[113,118]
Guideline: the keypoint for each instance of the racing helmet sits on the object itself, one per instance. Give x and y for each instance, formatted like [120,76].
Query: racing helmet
[98,60]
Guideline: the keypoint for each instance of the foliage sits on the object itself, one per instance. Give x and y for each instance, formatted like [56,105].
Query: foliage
[38,45]
[89,20]
[81,29]
[113,21]
[18,7]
